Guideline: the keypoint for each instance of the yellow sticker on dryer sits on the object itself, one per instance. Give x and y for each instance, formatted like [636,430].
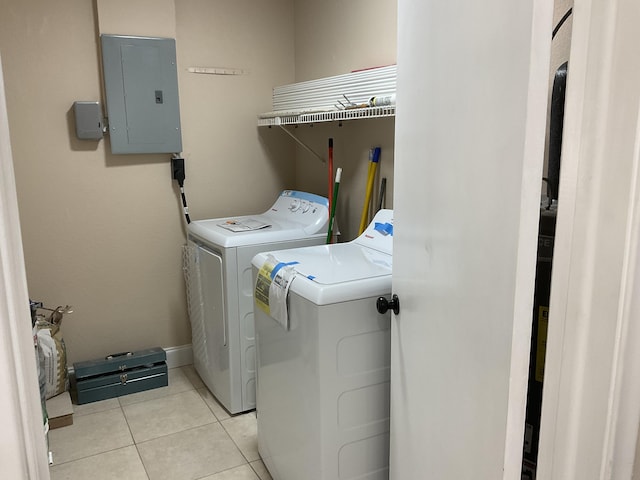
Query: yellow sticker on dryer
[541,347]
[263,286]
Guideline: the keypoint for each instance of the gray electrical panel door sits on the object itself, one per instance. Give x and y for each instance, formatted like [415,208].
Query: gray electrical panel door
[141,84]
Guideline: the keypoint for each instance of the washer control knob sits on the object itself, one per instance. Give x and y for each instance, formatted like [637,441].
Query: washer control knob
[295,205]
[305,207]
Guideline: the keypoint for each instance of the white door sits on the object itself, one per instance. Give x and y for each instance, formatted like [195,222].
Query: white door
[24,451]
[471,107]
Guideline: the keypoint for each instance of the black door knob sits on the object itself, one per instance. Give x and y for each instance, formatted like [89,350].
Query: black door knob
[382,304]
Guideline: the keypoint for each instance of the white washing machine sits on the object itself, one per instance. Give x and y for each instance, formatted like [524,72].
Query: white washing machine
[323,368]
[220,289]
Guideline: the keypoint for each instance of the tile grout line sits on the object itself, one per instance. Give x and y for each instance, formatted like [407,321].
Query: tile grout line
[227,470]
[209,407]
[186,430]
[157,398]
[144,466]
[75,414]
[234,442]
[133,439]
[173,433]
[97,453]
[193,387]
[255,471]
[92,455]
[135,444]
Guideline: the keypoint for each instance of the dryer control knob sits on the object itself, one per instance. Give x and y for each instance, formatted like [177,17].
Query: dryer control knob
[295,205]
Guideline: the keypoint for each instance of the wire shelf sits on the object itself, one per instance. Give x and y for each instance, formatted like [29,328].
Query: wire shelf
[330,99]
[329,116]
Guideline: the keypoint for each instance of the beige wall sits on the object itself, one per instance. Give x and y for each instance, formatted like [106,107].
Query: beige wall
[559,54]
[104,232]
[562,40]
[239,169]
[335,37]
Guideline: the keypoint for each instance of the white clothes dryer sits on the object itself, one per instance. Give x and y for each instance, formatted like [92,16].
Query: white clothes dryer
[220,289]
[324,367]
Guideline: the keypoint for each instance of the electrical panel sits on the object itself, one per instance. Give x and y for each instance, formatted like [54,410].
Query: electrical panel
[141,85]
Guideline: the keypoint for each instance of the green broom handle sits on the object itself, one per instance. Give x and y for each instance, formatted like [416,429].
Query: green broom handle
[336,187]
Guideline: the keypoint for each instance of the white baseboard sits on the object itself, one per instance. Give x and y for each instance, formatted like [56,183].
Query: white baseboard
[179,356]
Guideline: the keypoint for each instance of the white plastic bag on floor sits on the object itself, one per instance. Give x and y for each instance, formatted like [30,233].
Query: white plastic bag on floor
[52,353]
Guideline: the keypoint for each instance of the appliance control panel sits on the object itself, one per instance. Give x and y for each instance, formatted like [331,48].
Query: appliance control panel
[379,233]
[299,203]
[302,207]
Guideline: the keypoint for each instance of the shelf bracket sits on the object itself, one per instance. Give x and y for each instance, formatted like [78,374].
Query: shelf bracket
[299,142]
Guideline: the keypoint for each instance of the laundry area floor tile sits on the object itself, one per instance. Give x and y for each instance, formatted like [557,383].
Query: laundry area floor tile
[95,407]
[174,432]
[243,430]
[261,470]
[192,375]
[167,415]
[121,463]
[178,382]
[217,409]
[191,454]
[90,435]
[244,472]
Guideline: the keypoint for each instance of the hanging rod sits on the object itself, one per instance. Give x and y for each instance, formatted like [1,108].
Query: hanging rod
[217,70]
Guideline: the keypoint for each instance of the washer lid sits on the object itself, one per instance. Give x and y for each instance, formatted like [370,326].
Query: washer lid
[335,273]
[217,232]
[294,215]
[340,263]
[344,271]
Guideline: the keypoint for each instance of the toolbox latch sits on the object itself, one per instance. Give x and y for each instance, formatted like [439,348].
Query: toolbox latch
[123,379]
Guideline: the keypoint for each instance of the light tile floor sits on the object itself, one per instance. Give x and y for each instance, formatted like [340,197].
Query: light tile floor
[176,432]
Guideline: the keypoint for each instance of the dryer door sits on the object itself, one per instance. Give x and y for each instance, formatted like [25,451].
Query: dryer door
[217,376]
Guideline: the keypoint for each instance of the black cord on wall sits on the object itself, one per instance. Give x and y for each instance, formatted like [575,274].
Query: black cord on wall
[178,174]
[561,22]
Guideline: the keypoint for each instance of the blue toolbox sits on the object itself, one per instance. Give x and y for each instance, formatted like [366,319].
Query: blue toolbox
[120,374]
